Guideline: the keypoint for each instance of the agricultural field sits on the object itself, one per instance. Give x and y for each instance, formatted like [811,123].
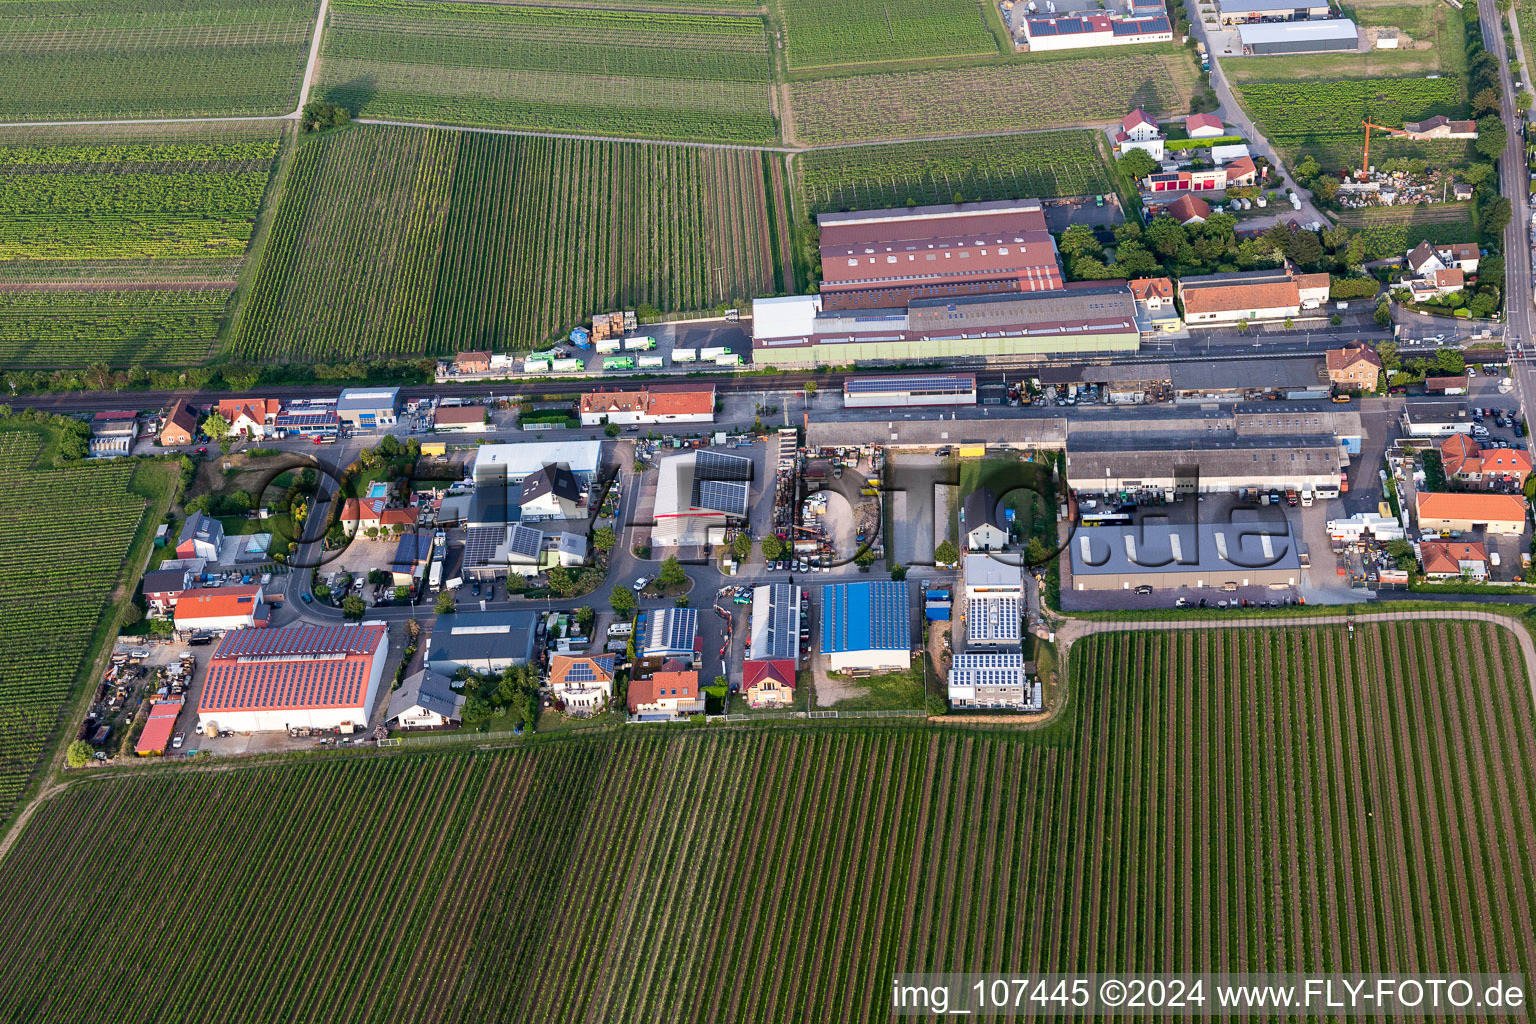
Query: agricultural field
[1432,41]
[1045,165]
[69,60]
[821,34]
[467,240]
[1061,93]
[1297,114]
[1256,799]
[64,535]
[124,247]
[551,69]
[1389,231]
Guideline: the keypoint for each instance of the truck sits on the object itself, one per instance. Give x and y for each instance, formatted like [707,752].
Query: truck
[618,363]
[728,359]
[609,344]
[650,362]
[536,365]
[567,366]
[685,355]
[641,344]
[709,355]
[1291,498]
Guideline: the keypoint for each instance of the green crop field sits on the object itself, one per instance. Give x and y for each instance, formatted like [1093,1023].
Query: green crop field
[823,34]
[1390,231]
[85,59]
[551,69]
[1294,114]
[465,240]
[64,534]
[123,247]
[1045,165]
[1256,799]
[1061,93]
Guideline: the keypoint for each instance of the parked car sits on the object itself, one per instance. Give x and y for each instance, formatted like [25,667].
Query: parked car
[178,741]
[307,598]
[1144,590]
[642,583]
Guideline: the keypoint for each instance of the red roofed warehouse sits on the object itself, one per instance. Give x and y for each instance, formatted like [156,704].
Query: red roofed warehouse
[220,608]
[317,677]
[157,730]
[883,259]
[687,404]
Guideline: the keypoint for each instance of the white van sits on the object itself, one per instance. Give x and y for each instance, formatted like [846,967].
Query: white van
[621,629]
[1306,497]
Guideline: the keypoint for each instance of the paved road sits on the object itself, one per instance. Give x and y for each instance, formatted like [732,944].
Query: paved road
[1517,252]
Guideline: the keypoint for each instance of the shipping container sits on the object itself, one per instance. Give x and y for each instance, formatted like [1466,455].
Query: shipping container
[609,344]
[641,344]
[567,366]
[972,451]
[684,355]
[619,363]
[650,362]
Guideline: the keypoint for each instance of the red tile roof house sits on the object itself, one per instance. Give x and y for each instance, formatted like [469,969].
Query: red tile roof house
[372,513]
[1464,459]
[315,677]
[1445,559]
[180,425]
[221,608]
[250,417]
[1204,126]
[1188,210]
[665,695]
[768,683]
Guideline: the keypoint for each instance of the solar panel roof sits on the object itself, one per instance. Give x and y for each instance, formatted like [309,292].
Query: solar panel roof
[1141,26]
[352,638]
[871,616]
[480,544]
[727,496]
[671,631]
[782,636]
[524,540]
[991,668]
[927,384]
[713,465]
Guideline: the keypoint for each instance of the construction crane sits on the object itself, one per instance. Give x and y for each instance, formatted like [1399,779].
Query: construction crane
[1365,164]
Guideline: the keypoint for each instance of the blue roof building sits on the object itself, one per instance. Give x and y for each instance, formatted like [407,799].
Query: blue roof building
[368,408]
[867,627]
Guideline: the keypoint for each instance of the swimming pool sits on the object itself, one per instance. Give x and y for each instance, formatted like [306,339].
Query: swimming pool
[378,489]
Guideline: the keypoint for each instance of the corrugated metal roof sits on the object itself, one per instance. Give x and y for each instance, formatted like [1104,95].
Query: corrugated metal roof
[870,616]
[917,384]
[1202,547]
[300,641]
[1297,31]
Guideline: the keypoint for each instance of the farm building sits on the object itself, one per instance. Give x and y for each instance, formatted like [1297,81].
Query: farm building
[1087,318]
[697,492]
[773,647]
[201,536]
[1092,28]
[669,633]
[317,677]
[1205,126]
[1440,127]
[1000,680]
[665,695]
[1237,12]
[425,700]
[180,425]
[1185,467]
[1223,155]
[680,404]
[909,390]
[1299,36]
[1436,418]
[866,627]
[368,408]
[219,608]
[981,526]
[1013,433]
[113,432]
[1497,514]
[158,728]
[583,682]
[485,642]
[465,419]
[883,259]
[994,602]
[1253,554]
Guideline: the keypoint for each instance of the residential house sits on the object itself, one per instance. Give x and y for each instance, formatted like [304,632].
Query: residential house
[464,419]
[1447,559]
[1240,171]
[362,514]
[1497,514]
[673,692]
[583,682]
[1436,284]
[768,684]
[1155,308]
[660,404]
[201,536]
[983,529]
[1465,460]
[250,417]
[180,426]
[1354,368]
[1139,131]
[1252,295]
[1440,127]
[1188,210]
[425,700]
[1204,126]
[1426,258]
[163,586]
[550,492]
[569,550]
[472,362]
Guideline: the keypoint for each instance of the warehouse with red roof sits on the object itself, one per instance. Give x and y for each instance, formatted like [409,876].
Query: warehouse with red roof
[316,677]
[158,728]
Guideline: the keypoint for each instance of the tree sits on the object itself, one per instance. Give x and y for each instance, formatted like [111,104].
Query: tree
[603,538]
[1401,553]
[584,619]
[445,603]
[936,705]
[1242,326]
[672,574]
[611,429]
[622,600]
[1079,240]
[1289,323]
[946,553]
[1383,314]
[1476,174]
[772,548]
[1335,320]
[79,754]
[1490,270]
[898,573]
[378,577]
[1485,102]
[402,594]
[1387,353]
[318,115]
[1304,248]
[1491,136]
[562,581]
[217,428]
[353,607]
[741,546]
[1494,215]
[1038,551]
[810,389]
[1166,235]
[864,559]
[1136,164]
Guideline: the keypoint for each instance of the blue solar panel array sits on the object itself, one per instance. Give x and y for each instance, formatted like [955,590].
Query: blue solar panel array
[1142,27]
[299,640]
[872,616]
[922,384]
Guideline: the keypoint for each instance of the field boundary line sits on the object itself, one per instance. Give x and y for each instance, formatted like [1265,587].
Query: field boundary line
[314,59]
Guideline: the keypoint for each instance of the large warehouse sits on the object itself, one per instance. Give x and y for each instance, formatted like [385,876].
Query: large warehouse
[697,492]
[1256,554]
[908,390]
[315,677]
[1300,36]
[1091,318]
[486,642]
[1292,377]
[368,408]
[866,627]
[884,259]
[1184,467]
[1092,28]
[1237,12]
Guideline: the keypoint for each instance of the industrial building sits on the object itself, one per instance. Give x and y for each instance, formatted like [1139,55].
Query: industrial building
[1237,12]
[1198,555]
[658,404]
[866,627]
[1088,317]
[461,419]
[669,634]
[1299,36]
[699,492]
[773,647]
[1120,383]
[221,608]
[1092,28]
[483,642]
[1014,433]
[997,680]
[994,602]
[909,390]
[1292,377]
[315,677]
[368,408]
[309,420]
[884,259]
[1182,468]
[500,469]
[1436,418]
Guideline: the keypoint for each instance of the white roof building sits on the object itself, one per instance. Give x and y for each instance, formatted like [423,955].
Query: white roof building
[699,491]
[512,462]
